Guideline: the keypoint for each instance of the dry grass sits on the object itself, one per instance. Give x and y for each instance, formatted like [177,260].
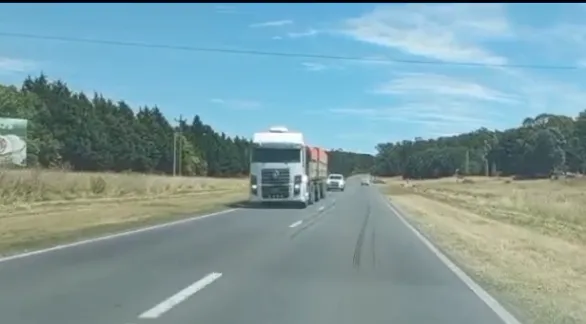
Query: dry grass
[40,207]
[524,240]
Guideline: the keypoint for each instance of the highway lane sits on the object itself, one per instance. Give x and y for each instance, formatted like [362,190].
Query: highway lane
[355,264]
[345,260]
[112,281]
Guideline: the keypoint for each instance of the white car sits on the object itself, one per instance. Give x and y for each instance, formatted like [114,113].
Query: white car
[365,182]
[336,182]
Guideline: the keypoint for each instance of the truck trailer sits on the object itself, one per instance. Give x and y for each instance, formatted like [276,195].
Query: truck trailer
[284,169]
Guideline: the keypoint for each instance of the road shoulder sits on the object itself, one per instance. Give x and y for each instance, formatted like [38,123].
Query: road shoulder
[518,266]
[52,226]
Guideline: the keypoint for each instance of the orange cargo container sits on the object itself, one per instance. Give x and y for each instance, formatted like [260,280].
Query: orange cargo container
[314,153]
[318,165]
[323,156]
[319,155]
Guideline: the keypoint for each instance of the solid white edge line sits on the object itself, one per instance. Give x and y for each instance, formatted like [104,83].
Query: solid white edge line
[490,301]
[297,223]
[179,297]
[112,236]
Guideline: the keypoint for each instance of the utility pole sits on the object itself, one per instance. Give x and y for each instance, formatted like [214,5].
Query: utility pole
[467,163]
[177,148]
[174,153]
[487,148]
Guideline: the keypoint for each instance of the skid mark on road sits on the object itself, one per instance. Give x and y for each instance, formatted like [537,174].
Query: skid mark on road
[179,297]
[360,240]
[312,219]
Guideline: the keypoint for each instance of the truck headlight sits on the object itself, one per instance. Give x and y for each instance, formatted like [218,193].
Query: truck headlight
[253,185]
[297,184]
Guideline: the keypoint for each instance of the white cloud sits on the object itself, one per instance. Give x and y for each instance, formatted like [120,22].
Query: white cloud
[427,84]
[276,23]
[16,65]
[430,118]
[541,94]
[565,32]
[446,99]
[311,66]
[317,66]
[447,32]
[307,33]
[417,113]
[237,104]
[439,100]
[437,104]
[310,32]
[454,105]
[565,41]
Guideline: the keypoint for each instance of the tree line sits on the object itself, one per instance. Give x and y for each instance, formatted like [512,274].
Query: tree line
[541,146]
[68,129]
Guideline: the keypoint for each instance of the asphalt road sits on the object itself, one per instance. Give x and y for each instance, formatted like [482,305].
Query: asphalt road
[347,259]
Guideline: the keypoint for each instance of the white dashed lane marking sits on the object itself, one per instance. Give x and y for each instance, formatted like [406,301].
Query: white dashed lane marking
[297,223]
[181,296]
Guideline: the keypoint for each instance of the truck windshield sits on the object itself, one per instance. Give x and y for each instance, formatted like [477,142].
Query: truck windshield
[271,155]
[336,177]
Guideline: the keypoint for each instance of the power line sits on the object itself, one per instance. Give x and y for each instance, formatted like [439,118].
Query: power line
[275,54]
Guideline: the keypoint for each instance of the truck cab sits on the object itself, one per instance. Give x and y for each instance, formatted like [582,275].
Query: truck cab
[284,169]
[277,172]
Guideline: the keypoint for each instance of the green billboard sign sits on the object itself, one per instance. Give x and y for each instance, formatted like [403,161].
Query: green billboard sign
[13,141]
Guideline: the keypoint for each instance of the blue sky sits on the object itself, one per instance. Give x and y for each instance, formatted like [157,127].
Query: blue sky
[338,104]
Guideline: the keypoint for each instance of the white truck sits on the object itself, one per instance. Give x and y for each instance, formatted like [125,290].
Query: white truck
[283,168]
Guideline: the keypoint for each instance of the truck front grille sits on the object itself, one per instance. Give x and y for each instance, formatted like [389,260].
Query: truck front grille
[275,177]
[275,183]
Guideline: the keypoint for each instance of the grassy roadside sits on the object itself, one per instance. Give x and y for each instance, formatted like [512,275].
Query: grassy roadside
[45,208]
[524,241]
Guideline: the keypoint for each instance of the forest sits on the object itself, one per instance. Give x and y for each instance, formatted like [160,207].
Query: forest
[71,130]
[75,131]
[542,146]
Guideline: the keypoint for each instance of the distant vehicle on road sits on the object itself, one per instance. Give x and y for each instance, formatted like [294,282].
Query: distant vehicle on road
[365,182]
[336,182]
[283,168]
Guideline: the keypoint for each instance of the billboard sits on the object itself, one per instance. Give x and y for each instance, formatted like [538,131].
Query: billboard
[13,141]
